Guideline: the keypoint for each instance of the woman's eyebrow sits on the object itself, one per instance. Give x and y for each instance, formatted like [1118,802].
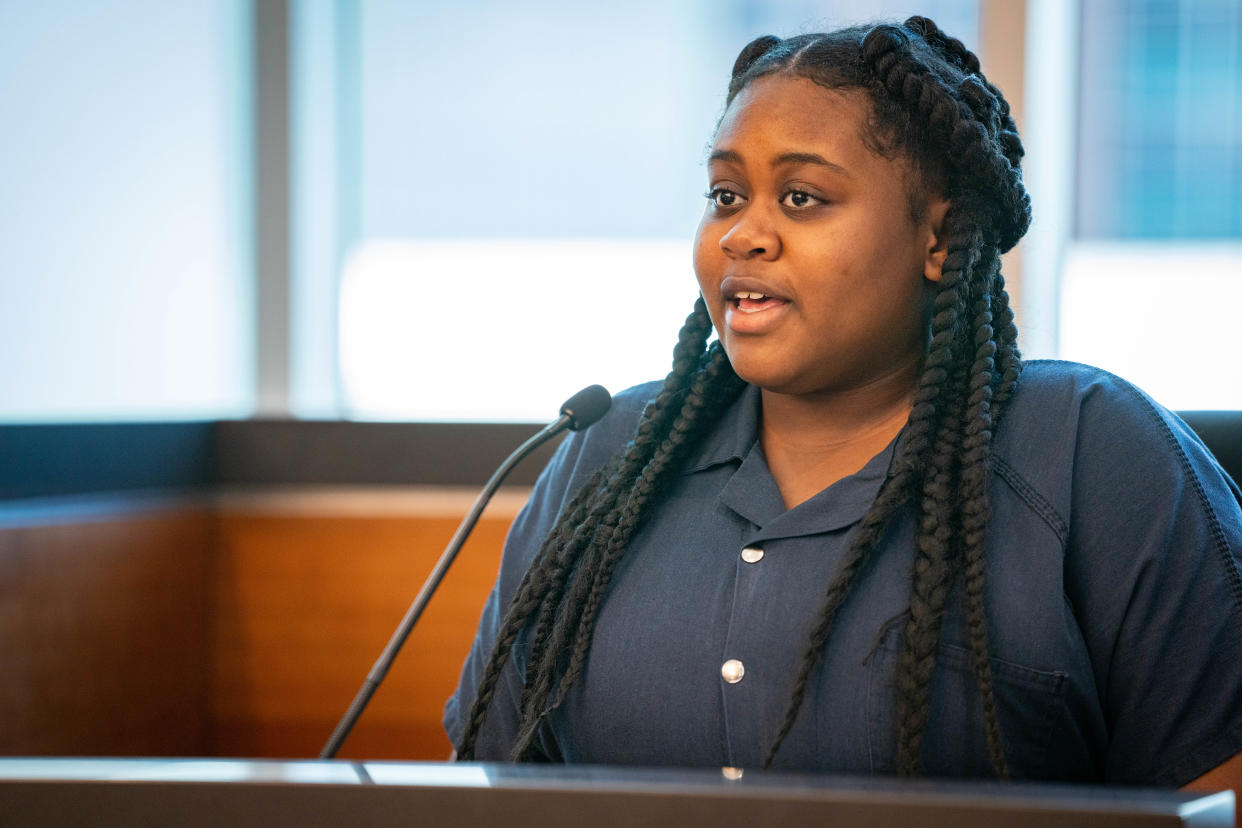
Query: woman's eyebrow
[784,159]
[794,158]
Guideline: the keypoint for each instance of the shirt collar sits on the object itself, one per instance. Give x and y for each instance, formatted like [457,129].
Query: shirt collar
[752,493]
[736,433]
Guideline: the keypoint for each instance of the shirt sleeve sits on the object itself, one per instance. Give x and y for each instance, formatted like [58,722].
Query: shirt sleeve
[1152,572]
[574,461]
[526,534]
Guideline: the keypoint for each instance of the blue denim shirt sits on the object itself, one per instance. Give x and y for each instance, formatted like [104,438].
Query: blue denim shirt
[1114,602]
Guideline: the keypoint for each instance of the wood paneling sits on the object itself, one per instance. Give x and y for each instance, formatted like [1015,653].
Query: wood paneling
[104,636]
[241,627]
[304,603]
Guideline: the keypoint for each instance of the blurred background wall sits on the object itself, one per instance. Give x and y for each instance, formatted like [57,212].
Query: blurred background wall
[217,209]
[257,210]
[126,282]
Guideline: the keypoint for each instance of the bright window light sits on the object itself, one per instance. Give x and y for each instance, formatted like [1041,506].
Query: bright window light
[1162,315]
[506,330]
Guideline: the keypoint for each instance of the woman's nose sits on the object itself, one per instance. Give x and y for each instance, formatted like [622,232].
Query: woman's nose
[752,236]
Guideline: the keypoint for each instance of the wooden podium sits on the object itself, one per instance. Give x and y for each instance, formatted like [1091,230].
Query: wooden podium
[215,792]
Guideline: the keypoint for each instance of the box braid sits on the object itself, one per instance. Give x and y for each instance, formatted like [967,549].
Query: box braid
[932,107]
[562,590]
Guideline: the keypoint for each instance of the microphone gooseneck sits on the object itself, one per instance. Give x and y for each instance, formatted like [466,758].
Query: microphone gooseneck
[578,412]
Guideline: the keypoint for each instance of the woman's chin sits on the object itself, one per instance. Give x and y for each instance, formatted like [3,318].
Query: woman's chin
[774,378]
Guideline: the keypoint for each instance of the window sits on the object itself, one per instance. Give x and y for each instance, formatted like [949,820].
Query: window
[1161,120]
[124,210]
[1152,278]
[523,188]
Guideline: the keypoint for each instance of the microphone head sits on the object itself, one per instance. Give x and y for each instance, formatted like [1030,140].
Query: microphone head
[587,406]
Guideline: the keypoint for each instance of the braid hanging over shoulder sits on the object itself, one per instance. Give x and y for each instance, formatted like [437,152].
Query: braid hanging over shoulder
[931,104]
[568,578]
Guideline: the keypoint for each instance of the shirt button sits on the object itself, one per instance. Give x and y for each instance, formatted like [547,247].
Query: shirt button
[752,554]
[732,671]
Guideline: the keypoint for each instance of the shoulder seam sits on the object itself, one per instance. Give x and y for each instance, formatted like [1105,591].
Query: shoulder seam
[1218,534]
[1037,502]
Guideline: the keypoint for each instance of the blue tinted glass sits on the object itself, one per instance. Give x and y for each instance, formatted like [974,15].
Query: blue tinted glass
[1161,120]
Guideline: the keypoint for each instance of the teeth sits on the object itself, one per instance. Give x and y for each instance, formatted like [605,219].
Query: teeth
[743,294]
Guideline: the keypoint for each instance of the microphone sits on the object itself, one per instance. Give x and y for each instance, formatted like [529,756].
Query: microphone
[585,407]
[578,412]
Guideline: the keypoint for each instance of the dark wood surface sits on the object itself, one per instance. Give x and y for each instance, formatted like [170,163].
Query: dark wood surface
[240,627]
[303,606]
[104,636]
[337,793]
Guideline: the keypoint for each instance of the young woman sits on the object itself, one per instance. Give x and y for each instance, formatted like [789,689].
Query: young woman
[857,533]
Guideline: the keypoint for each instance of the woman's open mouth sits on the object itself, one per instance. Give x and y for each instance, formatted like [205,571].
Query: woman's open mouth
[753,312]
[752,302]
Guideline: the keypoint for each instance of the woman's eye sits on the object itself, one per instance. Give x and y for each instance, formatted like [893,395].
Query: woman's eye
[721,197]
[797,198]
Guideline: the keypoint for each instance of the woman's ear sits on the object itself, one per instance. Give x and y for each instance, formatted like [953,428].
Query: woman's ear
[936,253]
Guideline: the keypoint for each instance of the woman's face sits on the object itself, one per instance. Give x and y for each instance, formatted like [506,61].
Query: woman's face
[814,271]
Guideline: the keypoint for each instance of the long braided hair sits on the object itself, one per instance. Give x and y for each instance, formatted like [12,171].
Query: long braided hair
[932,106]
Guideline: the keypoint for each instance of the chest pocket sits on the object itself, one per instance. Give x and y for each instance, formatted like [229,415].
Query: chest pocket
[1031,710]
